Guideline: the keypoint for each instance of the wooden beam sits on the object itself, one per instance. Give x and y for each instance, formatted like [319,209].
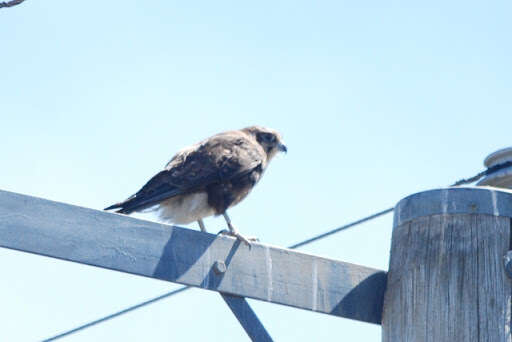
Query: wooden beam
[247,318]
[189,257]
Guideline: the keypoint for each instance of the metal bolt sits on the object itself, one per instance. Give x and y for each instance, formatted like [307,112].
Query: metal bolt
[507,263]
[219,267]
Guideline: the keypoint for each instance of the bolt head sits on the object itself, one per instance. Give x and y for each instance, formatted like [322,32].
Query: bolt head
[219,267]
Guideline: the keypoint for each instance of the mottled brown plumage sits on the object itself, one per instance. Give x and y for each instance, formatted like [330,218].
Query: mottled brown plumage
[209,177]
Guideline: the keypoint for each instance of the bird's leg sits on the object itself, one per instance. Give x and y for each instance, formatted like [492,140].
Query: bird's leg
[201,225]
[235,233]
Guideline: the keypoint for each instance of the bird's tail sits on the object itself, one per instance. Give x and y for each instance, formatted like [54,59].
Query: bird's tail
[151,194]
[141,201]
[127,206]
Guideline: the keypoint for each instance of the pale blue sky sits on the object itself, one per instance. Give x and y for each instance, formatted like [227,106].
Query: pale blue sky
[375,101]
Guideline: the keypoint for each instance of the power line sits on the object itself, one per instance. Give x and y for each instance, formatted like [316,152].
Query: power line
[10,3]
[486,172]
[339,229]
[119,313]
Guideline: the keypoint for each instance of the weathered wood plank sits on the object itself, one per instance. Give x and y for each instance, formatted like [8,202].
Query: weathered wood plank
[247,318]
[188,257]
[446,277]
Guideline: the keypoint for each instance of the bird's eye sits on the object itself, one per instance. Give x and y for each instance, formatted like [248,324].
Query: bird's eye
[268,137]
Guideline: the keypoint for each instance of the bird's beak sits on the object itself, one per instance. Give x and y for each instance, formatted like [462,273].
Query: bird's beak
[282,148]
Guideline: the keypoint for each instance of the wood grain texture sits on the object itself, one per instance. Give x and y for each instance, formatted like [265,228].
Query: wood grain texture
[187,257]
[446,278]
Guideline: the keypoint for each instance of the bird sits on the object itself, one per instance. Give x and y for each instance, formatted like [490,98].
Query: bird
[208,178]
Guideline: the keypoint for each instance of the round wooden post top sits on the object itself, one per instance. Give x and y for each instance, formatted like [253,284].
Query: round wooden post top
[502,178]
[446,279]
[454,200]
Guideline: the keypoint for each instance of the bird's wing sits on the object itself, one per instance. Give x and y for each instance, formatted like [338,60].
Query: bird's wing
[222,157]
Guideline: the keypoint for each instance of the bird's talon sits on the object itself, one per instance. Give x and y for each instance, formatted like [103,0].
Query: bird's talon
[238,236]
[242,238]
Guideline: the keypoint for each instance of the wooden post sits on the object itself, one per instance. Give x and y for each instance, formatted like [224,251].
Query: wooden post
[446,278]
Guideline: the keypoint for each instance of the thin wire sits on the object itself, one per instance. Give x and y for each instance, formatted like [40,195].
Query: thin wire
[119,313]
[337,230]
[10,3]
[487,172]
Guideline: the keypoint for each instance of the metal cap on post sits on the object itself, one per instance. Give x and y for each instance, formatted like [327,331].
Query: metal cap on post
[501,178]
[446,280]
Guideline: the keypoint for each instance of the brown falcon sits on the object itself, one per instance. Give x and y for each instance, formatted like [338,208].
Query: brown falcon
[208,178]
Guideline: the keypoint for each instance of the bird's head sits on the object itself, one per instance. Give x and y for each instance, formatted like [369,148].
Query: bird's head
[269,139]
